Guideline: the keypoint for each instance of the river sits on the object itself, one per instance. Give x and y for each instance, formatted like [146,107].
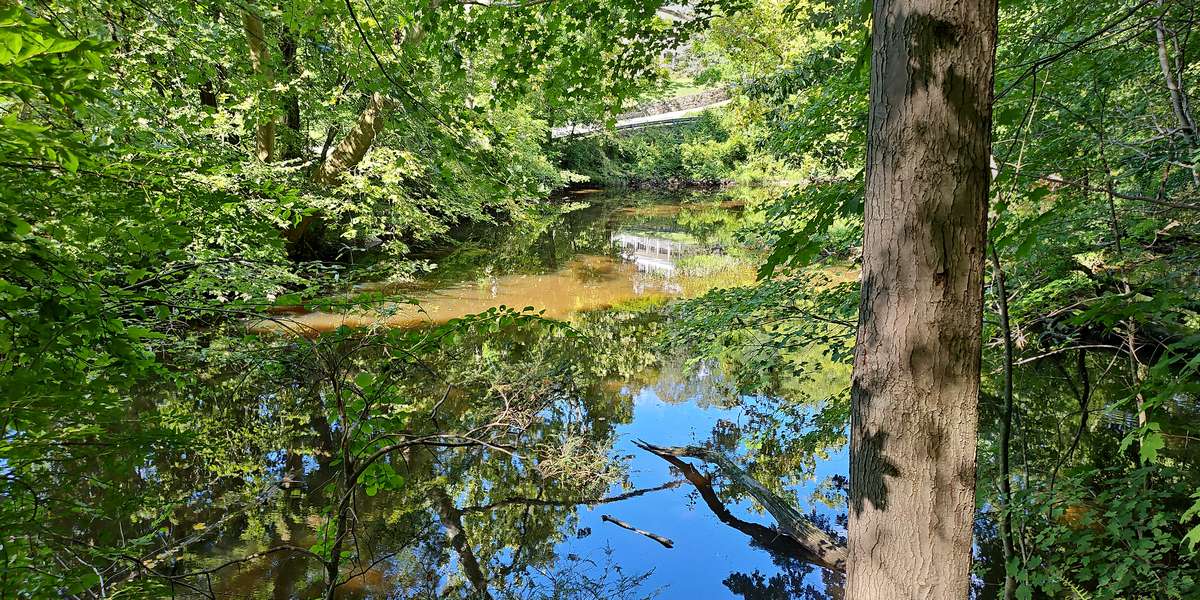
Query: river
[611,265]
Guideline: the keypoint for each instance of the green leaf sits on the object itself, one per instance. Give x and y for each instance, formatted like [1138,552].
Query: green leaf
[19,228]
[11,42]
[1024,592]
[1192,538]
[364,380]
[70,162]
[62,45]
[1151,444]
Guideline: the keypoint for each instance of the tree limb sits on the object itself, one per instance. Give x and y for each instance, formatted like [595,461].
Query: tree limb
[804,540]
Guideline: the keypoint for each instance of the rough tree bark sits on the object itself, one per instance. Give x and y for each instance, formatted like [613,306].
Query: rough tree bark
[260,59]
[916,365]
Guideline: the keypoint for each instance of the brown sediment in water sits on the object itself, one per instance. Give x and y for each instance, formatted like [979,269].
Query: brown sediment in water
[584,283]
[652,210]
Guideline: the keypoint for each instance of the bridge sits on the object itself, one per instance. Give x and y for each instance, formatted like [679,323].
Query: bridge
[641,121]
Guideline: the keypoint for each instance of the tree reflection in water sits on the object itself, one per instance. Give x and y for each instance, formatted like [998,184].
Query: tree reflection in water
[456,460]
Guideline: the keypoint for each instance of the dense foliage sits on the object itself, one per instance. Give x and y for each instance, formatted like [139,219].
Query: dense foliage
[175,171]
[177,177]
[1094,205]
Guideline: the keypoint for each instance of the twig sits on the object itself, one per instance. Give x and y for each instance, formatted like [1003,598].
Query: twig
[654,536]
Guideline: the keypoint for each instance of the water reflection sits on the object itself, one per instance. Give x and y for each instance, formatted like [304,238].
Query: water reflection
[514,509]
[653,253]
[590,259]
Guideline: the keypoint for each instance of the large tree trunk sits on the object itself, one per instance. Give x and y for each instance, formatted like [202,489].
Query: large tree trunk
[260,59]
[916,364]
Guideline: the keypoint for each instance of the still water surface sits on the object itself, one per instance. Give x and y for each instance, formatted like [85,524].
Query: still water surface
[594,262]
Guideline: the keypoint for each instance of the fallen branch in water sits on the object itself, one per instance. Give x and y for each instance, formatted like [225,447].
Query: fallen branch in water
[654,536]
[797,536]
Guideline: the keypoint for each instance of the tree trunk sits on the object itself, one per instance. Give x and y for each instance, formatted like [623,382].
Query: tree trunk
[208,89]
[208,95]
[347,154]
[1006,530]
[1174,87]
[260,59]
[1178,103]
[351,150]
[294,143]
[451,518]
[916,364]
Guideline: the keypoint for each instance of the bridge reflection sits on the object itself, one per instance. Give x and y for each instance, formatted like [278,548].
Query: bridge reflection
[653,253]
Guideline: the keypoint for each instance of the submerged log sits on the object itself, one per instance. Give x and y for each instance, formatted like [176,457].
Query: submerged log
[796,536]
